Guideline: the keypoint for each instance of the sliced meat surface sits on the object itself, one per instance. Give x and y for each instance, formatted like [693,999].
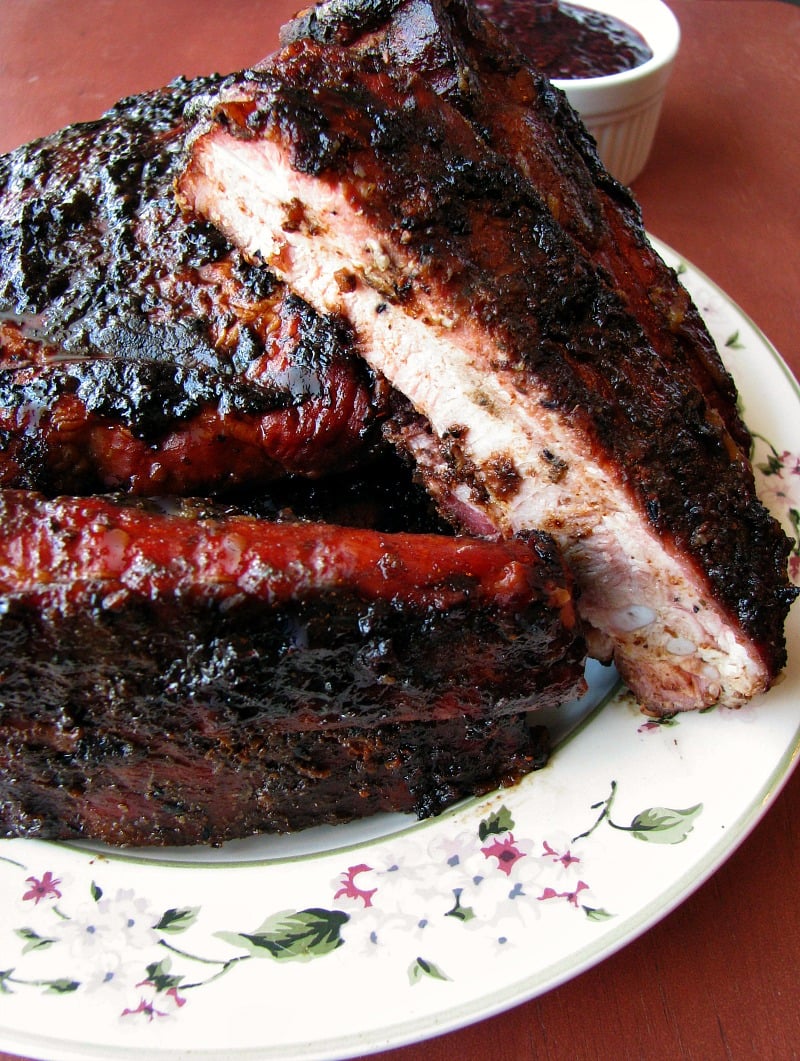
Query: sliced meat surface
[374,198]
[138,349]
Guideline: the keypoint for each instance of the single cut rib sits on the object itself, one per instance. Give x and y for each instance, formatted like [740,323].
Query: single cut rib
[129,607]
[192,674]
[546,402]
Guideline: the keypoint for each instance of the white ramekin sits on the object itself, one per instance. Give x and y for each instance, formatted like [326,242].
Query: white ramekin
[622,110]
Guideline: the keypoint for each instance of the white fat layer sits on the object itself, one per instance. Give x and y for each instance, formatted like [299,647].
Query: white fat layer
[673,644]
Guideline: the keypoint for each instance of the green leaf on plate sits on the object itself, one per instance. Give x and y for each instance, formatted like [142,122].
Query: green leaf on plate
[292,935]
[158,974]
[501,822]
[178,919]
[663,825]
[420,968]
[459,912]
[773,465]
[733,342]
[596,913]
[62,987]
[33,941]
[97,892]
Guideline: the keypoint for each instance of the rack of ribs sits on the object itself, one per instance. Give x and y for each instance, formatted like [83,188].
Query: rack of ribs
[151,690]
[459,419]
[539,397]
[191,673]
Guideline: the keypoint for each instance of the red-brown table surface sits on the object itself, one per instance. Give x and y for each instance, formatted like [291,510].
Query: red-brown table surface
[719,977]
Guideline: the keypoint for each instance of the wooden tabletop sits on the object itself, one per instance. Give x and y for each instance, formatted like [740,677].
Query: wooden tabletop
[719,977]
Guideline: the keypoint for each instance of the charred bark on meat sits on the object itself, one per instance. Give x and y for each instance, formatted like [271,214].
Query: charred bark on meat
[205,780]
[144,651]
[517,112]
[138,349]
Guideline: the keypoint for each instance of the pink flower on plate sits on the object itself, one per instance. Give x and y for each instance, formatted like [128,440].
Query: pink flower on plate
[571,897]
[791,462]
[566,858]
[170,1000]
[146,1008]
[506,852]
[46,888]
[649,727]
[178,1000]
[794,567]
[351,890]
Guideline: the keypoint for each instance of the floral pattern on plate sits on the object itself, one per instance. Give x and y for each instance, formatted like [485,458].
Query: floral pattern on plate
[486,877]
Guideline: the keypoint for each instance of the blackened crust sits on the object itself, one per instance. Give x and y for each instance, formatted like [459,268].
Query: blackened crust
[138,349]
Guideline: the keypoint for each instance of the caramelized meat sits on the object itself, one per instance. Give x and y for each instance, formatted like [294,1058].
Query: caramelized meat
[206,778]
[522,360]
[189,672]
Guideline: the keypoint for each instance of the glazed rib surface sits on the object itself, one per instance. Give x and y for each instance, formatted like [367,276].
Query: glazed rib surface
[210,674]
[311,625]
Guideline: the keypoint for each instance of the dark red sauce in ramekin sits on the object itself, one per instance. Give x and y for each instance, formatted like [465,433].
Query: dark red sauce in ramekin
[566,41]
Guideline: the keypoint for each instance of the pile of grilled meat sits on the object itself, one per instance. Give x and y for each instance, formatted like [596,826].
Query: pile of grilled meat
[344,408]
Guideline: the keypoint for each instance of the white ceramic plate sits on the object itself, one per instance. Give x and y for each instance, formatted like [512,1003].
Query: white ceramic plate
[344,941]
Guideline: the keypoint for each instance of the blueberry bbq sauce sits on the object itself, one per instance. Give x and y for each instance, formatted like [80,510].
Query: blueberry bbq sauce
[566,41]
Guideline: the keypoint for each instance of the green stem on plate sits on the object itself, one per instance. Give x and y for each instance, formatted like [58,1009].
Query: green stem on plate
[604,814]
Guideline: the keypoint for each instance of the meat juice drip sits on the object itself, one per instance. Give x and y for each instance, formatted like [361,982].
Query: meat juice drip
[566,41]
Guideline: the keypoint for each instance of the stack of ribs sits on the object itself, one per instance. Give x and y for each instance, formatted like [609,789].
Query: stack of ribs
[344,404]
[227,607]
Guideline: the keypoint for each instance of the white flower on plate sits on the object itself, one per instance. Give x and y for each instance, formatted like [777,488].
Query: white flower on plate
[105,939]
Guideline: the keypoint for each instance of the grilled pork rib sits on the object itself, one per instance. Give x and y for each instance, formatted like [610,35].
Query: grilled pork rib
[309,625]
[546,402]
[179,660]
[515,110]
[138,350]
[196,674]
